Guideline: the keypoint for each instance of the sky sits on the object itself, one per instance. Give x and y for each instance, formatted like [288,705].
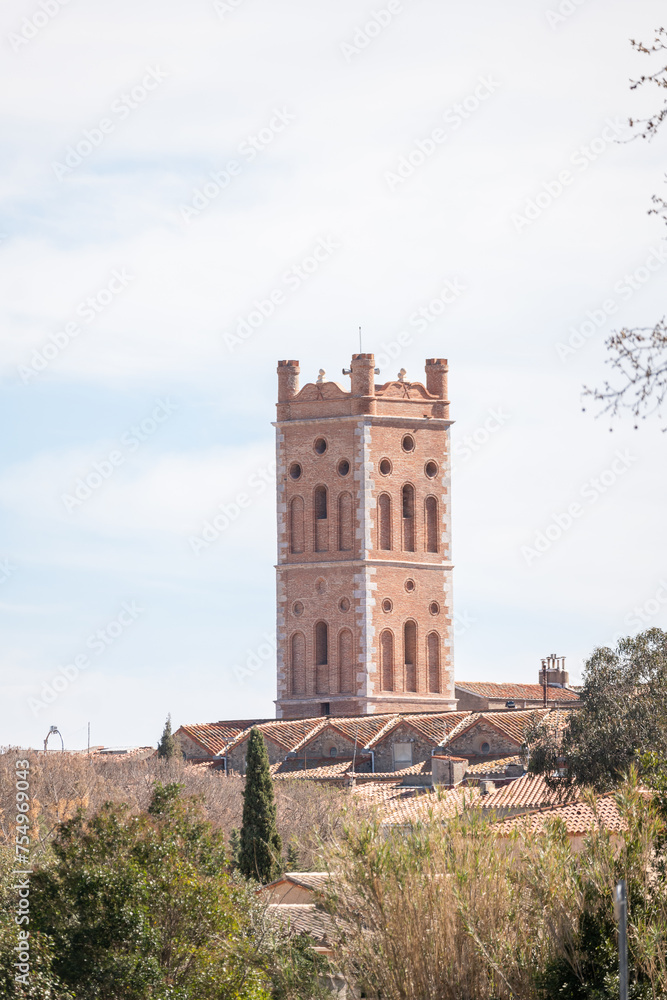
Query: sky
[191,192]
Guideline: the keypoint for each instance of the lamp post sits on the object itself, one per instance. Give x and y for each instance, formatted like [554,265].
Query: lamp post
[621,914]
[52,731]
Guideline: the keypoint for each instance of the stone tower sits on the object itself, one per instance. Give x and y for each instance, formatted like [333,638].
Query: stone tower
[364,571]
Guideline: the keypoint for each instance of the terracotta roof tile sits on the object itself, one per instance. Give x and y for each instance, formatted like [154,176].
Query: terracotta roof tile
[421,807]
[437,727]
[528,692]
[302,918]
[215,736]
[528,792]
[497,767]
[578,817]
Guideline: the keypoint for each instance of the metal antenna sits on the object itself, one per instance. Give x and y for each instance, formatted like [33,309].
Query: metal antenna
[360,348]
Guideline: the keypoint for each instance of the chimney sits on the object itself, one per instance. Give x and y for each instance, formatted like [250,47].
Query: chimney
[363,382]
[553,672]
[288,380]
[436,383]
[447,771]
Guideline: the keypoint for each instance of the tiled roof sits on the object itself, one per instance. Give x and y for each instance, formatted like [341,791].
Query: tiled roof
[437,727]
[512,725]
[578,817]
[318,769]
[302,918]
[216,736]
[290,735]
[423,806]
[489,767]
[528,692]
[529,792]
[364,728]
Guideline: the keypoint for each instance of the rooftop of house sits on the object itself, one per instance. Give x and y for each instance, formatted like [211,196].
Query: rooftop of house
[302,918]
[520,692]
[366,731]
[578,818]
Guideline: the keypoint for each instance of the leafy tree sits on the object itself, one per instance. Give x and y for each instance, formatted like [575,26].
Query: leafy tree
[141,907]
[234,848]
[623,715]
[169,745]
[259,856]
[293,857]
[638,356]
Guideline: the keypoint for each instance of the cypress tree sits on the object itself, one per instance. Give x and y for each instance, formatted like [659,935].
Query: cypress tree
[169,746]
[259,854]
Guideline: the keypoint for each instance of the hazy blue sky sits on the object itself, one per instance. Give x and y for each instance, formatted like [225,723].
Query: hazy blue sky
[166,166]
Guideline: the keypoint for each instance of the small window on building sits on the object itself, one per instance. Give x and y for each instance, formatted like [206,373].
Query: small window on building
[295,470]
[408,443]
[385,467]
[408,503]
[333,751]
[485,748]
[431,469]
[325,708]
[321,503]
[384,522]
[343,467]
[387,606]
[320,446]
[403,754]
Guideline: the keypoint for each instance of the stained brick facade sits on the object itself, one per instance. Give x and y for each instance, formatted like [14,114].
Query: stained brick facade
[364,572]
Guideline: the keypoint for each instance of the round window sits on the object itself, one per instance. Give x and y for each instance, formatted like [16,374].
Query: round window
[485,748]
[333,751]
[387,605]
[431,469]
[434,608]
[320,446]
[385,467]
[409,586]
[297,608]
[343,467]
[295,470]
[344,604]
[408,442]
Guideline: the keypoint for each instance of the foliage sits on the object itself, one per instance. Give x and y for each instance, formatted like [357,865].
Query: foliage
[455,911]
[169,745]
[623,715]
[259,855]
[638,356]
[141,906]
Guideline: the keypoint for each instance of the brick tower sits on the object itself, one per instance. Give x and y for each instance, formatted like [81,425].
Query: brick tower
[364,571]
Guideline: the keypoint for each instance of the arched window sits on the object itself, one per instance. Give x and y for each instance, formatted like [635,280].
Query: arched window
[345,533]
[298,663]
[384,521]
[296,535]
[321,658]
[410,655]
[321,520]
[345,662]
[408,499]
[387,660]
[433,656]
[431,518]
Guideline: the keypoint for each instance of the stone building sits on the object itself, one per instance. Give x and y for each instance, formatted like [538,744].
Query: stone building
[364,600]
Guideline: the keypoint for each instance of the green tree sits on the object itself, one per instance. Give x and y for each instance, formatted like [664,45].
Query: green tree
[623,716]
[169,745]
[259,856]
[141,907]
